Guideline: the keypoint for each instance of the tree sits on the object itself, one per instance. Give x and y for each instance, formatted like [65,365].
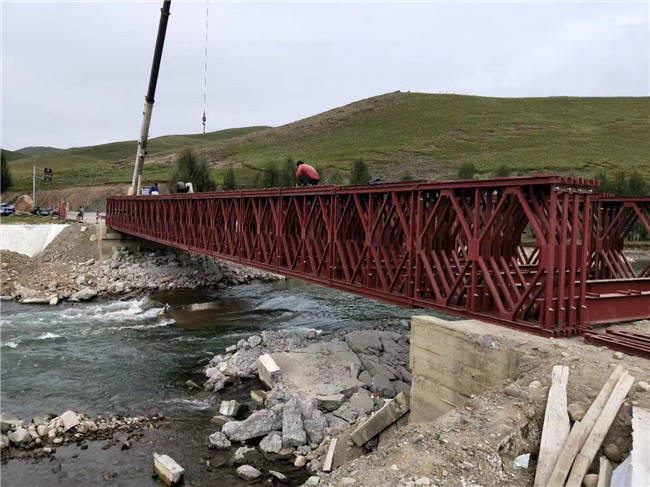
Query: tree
[271,176]
[360,173]
[637,185]
[466,171]
[190,169]
[6,181]
[229,180]
[503,171]
[287,176]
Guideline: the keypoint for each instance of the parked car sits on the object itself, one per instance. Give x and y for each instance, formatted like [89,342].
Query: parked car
[7,209]
[42,211]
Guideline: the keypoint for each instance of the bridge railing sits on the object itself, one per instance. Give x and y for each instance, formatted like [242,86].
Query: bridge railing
[515,251]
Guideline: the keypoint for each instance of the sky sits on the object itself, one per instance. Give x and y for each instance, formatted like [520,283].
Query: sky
[76,73]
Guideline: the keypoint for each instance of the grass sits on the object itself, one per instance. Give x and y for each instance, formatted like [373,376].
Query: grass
[429,136]
[23,219]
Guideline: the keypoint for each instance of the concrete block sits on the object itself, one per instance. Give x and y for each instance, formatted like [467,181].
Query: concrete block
[70,420]
[167,469]
[231,408]
[268,370]
[386,416]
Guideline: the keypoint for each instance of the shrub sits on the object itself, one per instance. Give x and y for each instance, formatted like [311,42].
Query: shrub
[336,178]
[405,177]
[466,171]
[190,169]
[503,171]
[360,173]
[229,180]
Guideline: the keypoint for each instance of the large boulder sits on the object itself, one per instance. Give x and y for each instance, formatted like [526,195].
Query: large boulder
[316,428]
[85,294]
[20,436]
[272,443]
[248,472]
[260,423]
[24,204]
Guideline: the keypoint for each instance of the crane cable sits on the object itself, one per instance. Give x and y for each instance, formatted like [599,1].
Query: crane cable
[205,67]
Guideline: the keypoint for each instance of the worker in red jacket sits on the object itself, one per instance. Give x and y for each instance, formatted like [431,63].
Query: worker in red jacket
[306,175]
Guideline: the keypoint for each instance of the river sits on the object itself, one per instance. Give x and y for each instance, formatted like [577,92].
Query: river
[131,358]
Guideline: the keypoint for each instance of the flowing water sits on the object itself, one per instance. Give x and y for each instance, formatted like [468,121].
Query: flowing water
[131,358]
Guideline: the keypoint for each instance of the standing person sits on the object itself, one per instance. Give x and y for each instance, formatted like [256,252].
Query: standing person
[153,189]
[306,175]
[80,215]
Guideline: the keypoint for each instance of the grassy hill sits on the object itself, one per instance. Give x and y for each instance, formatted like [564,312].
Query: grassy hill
[39,151]
[13,155]
[428,135]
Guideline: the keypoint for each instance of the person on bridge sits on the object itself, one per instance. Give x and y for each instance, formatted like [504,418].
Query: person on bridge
[153,189]
[306,175]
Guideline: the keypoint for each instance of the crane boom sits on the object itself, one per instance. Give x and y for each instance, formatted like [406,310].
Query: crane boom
[141,152]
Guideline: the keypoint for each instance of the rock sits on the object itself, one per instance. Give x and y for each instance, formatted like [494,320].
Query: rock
[54,300]
[312,481]
[308,407]
[386,416]
[8,421]
[268,370]
[246,454]
[293,433]
[375,367]
[20,436]
[167,469]
[346,412]
[35,301]
[258,424]
[535,385]
[231,408]
[362,402]
[254,341]
[42,430]
[300,462]
[331,402]
[24,204]
[382,386]
[272,443]
[364,341]
[258,396]
[590,480]
[247,472]
[618,355]
[642,386]
[57,441]
[219,441]
[366,378]
[85,294]
[401,386]
[405,373]
[70,420]
[231,349]
[315,428]
[220,420]
[191,385]
[576,411]
[513,390]
[612,452]
[423,481]
[279,476]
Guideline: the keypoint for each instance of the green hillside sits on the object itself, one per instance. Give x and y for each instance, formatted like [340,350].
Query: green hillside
[428,135]
[39,151]
[113,163]
[13,155]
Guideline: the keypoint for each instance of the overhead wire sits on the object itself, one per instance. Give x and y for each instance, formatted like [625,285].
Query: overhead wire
[205,66]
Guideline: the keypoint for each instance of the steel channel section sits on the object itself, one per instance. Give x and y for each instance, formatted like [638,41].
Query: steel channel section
[461,247]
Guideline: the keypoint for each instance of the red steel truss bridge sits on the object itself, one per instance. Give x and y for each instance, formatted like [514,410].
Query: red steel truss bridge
[543,254]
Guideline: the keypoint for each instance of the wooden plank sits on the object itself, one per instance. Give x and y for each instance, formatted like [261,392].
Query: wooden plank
[556,425]
[600,429]
[640,446]
[581,430]
[329,458]
[605,472]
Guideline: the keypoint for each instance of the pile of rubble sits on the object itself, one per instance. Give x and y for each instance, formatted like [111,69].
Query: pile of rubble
[329,398]
[44,433]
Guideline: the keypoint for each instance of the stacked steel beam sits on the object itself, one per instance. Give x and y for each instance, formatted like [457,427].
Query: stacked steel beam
[520,252]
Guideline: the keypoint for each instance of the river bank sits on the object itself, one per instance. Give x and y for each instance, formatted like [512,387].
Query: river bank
[70,269]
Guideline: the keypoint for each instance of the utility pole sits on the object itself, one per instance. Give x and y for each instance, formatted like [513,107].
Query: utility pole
[34,187]
[149,99]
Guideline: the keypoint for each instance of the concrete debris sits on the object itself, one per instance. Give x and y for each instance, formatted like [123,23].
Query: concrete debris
[329,459]
[386,416]
[167,469]
[219,441]
[247,472]
[260,423]
[268,370]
